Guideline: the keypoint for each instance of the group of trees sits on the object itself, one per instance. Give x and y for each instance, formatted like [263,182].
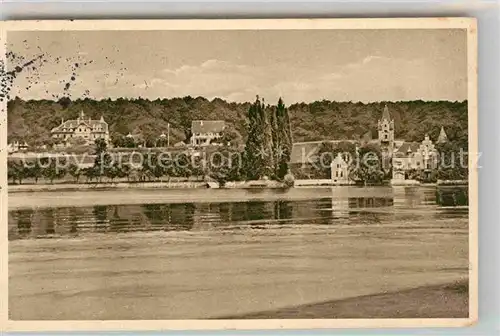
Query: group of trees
[221,166]
[453,160]
[32,120]
[265,130]
[125,141]
[269,142]
[364,163]
[47,168]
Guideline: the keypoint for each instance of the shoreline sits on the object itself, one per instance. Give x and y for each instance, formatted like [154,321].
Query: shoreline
[171,185]
[449,300]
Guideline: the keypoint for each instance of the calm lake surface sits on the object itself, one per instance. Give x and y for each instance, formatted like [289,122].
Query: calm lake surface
[263,209]
[182,254]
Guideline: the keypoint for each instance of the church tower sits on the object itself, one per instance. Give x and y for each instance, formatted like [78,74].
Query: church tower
[386,132]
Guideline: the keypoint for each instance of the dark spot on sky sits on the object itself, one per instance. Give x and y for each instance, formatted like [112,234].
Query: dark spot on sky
[72,78]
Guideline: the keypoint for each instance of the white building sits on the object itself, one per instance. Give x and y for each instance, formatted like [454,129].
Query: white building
[414,156]
[85,128]
[205,131]
[340,170]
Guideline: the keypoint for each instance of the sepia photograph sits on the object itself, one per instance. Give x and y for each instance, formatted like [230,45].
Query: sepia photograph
[239,173]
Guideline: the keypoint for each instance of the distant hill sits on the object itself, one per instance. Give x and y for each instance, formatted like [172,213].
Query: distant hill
[32,120]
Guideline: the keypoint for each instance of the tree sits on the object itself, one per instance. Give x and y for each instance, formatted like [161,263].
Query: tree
[266,146]
[103,162]
[100,146]
[75,172]
[36,171]
[54,170]
[254,157]
[16,171]
[225,167]
[283,147]
[153,166]
[91,173]
[230,137]
[77,142]
[368,166]
[453,160]
[113,171]
[328,151]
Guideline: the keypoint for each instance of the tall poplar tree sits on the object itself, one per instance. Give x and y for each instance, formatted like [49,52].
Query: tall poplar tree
[284,135]
[252,156]
[267,153]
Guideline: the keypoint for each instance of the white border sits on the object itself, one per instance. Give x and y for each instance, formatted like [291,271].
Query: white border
[258,24]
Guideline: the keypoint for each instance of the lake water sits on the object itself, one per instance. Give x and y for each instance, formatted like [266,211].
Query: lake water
[170,254]
[285,208]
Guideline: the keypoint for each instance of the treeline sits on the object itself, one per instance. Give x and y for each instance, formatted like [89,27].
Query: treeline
[269,142]
[367,165]
[32,120]
[110,167]
[364,164]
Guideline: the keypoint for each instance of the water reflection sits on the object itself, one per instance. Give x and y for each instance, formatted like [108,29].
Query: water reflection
[400,205]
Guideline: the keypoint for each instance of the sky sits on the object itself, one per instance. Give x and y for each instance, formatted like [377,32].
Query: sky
[298,65]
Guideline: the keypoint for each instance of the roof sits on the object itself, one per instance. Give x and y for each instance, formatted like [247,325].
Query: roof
[442,136]
[385,114]
[70,124]
[207,126]
[403,150]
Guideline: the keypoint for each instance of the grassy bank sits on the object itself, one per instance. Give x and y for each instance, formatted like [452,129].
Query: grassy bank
[105,186]
[435,301]
[142,185]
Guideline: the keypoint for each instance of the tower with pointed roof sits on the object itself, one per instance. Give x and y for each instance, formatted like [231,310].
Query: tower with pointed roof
[386,132]
[442,138]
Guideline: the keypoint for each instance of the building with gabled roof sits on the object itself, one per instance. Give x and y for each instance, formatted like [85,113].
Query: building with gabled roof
[204,132]
[85,128]
[403,156]
[414,156]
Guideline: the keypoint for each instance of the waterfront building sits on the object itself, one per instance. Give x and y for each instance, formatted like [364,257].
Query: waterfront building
[204,132]
[409,160]
[81,128]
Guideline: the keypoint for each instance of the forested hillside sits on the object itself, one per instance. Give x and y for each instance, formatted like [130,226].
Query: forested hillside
[31,121]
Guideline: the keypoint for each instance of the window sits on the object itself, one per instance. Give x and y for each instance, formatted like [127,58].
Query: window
[338,165]
[336,174]
[385,136]
[341,174]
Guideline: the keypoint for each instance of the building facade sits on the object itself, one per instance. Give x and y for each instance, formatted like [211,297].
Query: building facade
[412,158]
[16,146]
[81,129]
[205,132]
[340,170]
[409,160]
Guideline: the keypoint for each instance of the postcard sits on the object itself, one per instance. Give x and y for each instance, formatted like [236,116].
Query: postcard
[239,174]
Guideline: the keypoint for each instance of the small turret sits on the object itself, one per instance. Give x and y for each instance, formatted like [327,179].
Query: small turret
[386,130]
[442,138]
[385,114]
